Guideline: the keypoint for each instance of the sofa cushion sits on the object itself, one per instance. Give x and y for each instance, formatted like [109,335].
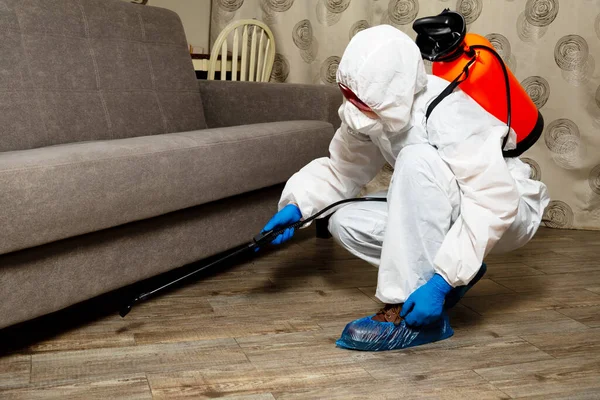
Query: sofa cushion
[66,190]
[77,70]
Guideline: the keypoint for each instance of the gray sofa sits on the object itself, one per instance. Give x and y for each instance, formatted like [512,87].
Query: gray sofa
[116,164]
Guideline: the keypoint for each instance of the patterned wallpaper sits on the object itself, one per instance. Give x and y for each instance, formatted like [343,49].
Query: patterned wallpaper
[551,46]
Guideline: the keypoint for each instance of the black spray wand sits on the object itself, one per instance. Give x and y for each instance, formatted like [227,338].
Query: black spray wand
[259,240]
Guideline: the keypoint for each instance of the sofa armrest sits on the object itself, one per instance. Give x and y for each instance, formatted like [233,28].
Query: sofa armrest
[228,103]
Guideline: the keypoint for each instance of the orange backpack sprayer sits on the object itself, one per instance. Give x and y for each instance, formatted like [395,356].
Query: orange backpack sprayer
[470,61]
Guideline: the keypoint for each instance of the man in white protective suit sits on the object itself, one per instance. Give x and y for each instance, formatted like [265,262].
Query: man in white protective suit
[453,197]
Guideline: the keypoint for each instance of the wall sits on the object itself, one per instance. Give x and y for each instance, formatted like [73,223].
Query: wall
[195,15]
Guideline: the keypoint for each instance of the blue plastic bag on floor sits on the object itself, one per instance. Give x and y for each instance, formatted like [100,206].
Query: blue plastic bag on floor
[368,335]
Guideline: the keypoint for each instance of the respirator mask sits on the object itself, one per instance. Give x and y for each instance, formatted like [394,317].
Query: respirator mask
[354,113]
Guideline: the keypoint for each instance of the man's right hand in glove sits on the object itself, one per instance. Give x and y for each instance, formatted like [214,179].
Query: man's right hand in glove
[288,215]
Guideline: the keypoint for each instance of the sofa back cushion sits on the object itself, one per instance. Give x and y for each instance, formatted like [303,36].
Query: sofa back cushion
[80,70]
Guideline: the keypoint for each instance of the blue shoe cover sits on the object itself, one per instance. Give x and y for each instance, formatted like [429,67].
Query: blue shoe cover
[368,335]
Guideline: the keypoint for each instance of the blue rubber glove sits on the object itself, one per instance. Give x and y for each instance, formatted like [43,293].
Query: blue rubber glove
[426,304]
[288,215]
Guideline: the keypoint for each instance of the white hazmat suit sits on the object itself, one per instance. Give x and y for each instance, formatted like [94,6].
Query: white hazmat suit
[452,199]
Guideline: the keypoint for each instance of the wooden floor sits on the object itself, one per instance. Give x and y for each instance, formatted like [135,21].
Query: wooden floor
[266,330]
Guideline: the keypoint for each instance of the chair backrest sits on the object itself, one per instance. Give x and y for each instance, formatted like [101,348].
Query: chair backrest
[255,66]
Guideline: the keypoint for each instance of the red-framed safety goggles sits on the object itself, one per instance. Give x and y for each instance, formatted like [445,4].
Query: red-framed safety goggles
[352,98]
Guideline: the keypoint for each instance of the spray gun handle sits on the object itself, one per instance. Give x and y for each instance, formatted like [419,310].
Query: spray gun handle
[268,236]
[264,237]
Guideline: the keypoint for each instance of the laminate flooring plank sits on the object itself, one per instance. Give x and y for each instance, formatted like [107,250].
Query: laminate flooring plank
[467,323]
[133,387]
[541,283]
[14,371]
[81,365]
[201,385]
[589,316]
[568,344]
[546,378]
[546,299]
[456,385]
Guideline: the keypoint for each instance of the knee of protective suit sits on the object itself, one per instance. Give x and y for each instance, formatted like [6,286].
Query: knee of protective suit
[349,227]
[339,226]
[421,172]
[416,158]
[357,229]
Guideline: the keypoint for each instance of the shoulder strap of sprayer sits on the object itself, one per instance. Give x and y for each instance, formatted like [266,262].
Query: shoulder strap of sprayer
[450,88]
[454,84]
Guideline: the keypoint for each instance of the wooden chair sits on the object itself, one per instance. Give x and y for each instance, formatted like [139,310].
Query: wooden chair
[257,67]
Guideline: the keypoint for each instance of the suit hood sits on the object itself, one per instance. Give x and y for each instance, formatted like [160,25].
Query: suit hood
[384,68]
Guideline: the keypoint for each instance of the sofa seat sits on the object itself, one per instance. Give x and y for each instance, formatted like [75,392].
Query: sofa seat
[61,191]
